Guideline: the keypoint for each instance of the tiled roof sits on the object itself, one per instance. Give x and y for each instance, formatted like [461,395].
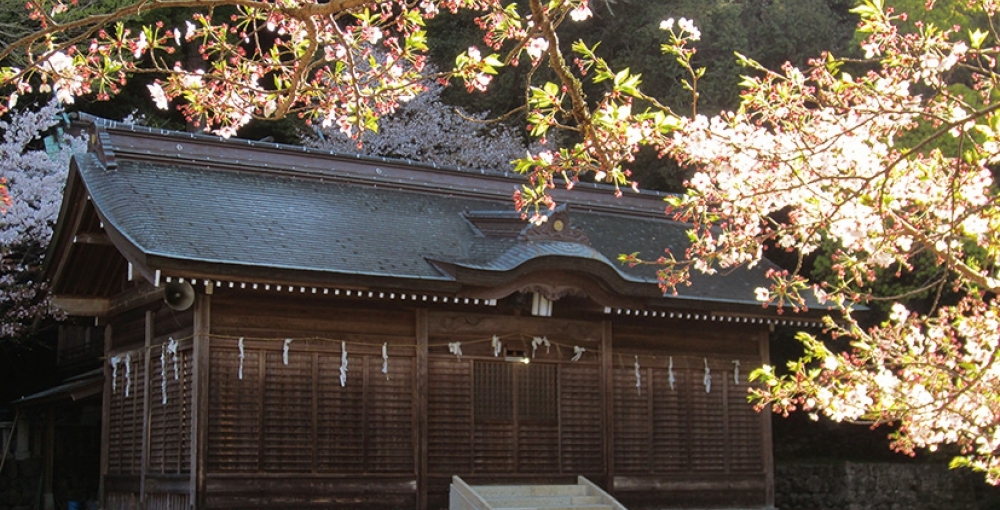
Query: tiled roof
[233,214]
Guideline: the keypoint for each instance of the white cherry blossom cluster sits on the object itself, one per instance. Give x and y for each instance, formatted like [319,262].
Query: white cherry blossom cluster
[429,131]
[35,180]
[886,167]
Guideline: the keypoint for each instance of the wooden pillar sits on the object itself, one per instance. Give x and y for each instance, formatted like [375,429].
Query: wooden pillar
[199,407]
[105,416]
[22,440]
[767,440]
[421,409]
[144,454]
[48,500]
[608,393]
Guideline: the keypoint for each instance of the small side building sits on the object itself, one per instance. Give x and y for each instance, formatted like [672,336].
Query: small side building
[286,328]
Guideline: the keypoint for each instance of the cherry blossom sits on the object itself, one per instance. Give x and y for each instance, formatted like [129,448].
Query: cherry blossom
[35,179]
[429,131]
[888,160]
[817,156]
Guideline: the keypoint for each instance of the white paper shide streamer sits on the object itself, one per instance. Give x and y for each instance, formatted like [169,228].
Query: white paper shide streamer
[240,345]
[497,346]
[638,377]
[163,373]
[736,371]
[128,373]
[455,348]
[343,364]
[172,350]
[708,377]
[385,360]
[114,361]
[670,374]
[577,353]
[284,353]
[539,340]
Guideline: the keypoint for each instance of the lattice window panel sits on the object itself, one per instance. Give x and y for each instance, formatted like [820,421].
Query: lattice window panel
[341,441]
[538,414]
[632,422]
[473,427]
[288,413]
[125,420]
[580,412]
[449,416]
[494,391]
[664,430]
[297,418]
[745,432]
[235,412]
[671,448]
[389,410]
[536,389]
[527,442]
[170,423]
[707,432]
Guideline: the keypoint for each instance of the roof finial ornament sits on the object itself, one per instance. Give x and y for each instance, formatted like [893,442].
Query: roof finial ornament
[556,227]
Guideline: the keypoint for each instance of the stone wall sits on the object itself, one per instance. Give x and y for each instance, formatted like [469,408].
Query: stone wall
[880,486]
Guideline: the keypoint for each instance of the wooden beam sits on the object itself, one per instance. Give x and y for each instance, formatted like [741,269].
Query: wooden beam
[97,238]
[76,218]
[48,500]
[421,409]
[608,395]
[767,441]
[82,306]
[137,297]
[105,419]
[199,407]
[144,454]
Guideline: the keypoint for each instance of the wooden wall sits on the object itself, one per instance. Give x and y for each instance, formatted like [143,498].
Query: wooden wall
[148,411]
[698,443]
[289,435]
[286,433]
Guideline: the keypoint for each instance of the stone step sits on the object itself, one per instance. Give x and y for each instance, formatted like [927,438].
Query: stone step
[541,501]
[511,491]
[572,507]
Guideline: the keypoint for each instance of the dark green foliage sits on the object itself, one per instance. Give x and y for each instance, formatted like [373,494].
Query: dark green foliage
[772,32]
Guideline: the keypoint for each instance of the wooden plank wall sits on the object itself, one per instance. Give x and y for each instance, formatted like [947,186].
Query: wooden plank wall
[491,420]
[693,444]
[290,435]
[148,469]
[126,404]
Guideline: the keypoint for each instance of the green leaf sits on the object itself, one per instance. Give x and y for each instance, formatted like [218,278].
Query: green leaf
[493,61]
[620,77]
[977,38]
[551,89]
